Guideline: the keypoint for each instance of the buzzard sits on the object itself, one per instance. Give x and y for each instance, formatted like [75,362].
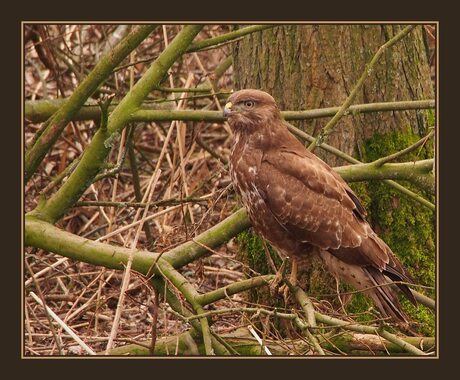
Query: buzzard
[302,207]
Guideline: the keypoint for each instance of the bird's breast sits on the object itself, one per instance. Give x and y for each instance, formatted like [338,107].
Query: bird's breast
[245,164]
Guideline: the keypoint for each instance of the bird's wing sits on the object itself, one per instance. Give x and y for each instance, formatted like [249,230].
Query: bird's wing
[314,204]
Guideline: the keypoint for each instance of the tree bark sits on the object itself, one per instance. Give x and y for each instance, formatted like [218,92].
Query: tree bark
[316,66]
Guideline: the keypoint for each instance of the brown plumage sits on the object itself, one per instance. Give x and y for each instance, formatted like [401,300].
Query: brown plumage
[302,207]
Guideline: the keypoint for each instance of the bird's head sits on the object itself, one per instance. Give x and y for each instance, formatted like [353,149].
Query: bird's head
[249,109]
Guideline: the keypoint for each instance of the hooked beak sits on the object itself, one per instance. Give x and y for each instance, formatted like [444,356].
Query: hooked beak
[228,109]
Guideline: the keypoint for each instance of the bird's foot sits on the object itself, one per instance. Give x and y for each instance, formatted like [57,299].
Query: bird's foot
[276,289]
[275,284]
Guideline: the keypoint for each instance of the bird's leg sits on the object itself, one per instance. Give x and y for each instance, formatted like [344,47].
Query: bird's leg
[275,283]
[292,280]
[269,257]
[339,295]
[293,275]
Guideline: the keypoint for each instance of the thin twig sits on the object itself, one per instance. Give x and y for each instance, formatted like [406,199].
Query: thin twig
[148,195]
[227,37]
[48,315]
[366,73]
[369,330]
[163,202]
[394,156]
[156,297]
[63,325]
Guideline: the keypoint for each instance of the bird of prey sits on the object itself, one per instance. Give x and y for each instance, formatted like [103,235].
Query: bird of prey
[301,206]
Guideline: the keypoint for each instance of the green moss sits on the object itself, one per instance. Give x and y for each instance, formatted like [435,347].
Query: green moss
[358,305]
[405,226]
[252,253]
[361,190]
[430,117]
[424,318]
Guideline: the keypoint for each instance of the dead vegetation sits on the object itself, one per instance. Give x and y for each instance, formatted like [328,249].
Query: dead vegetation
[184,163]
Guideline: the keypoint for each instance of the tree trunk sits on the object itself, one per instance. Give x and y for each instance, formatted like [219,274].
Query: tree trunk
[316,66]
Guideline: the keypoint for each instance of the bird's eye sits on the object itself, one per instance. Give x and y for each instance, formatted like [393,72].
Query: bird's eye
[249,103]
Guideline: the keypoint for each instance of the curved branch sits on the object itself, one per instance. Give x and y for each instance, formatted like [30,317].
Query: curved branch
[38,233]
[218,41]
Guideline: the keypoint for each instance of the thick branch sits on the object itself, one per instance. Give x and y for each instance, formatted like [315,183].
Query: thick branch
[101,71]
[40,234]
[416,172]
[40,110]
[246,345]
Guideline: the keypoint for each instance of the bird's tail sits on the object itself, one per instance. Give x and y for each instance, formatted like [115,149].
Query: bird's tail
[384,295]
[378,285]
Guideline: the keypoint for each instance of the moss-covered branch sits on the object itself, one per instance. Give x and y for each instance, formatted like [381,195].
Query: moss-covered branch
[64,114]
[416,172]
[40,234]
[226,38]
[349,343]
[407,347]
[40,110]
[236,287]
[95,154]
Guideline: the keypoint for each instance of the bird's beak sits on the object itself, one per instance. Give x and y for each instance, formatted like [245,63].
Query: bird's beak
[228,109]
